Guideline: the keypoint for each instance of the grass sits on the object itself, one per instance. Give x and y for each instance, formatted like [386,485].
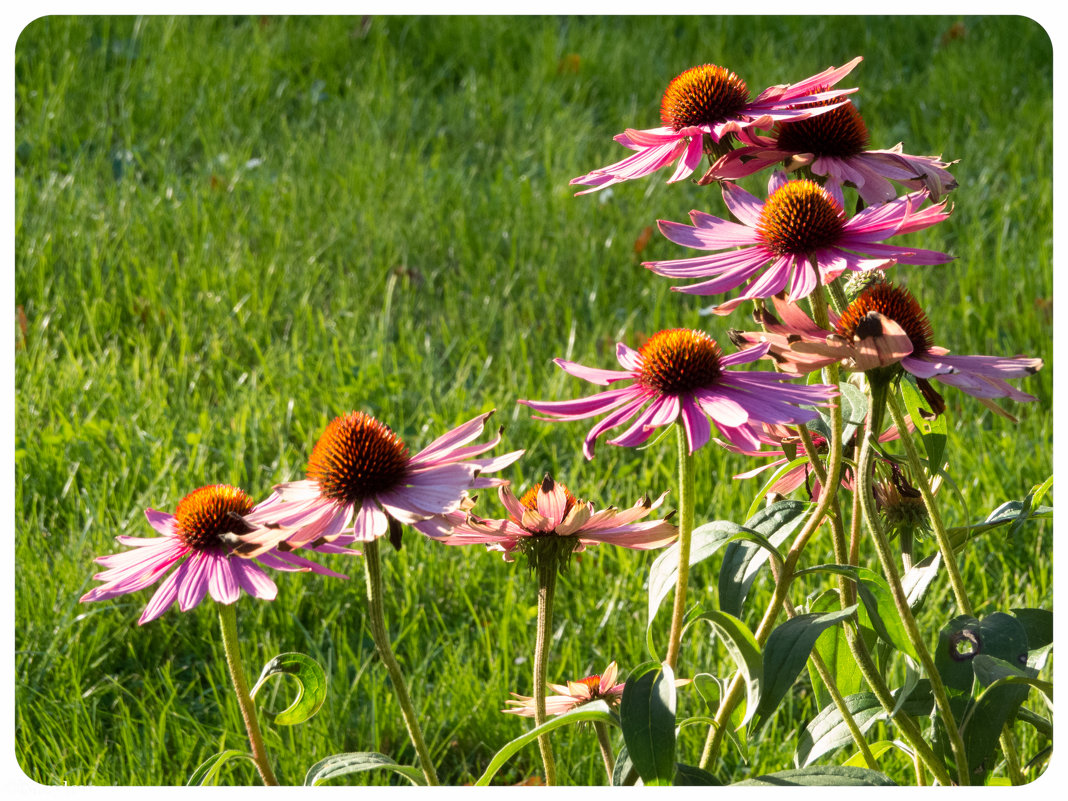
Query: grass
[230,230]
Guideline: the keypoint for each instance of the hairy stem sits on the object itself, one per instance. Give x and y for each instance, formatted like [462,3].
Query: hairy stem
[678,612]
[228,624]
[379,634]
[546,569]
[605,745]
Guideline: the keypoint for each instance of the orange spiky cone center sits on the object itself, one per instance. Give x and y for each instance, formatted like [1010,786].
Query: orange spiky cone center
[357,457]
[895,303]
[207,513]
[839,132]
[799,218]
[702,95]
[679,360]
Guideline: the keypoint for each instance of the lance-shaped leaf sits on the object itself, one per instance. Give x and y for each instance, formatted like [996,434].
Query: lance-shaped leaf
[647,718]
[932,429]
[208,770]
[785,653]
[594,711]
[691,776]
[745,651]
[624,774]
[821,776]
[311,681]
[1037,625]
[358,762]
[878,603]
[705,541]
[1006,687]
[742,560]
[854,405]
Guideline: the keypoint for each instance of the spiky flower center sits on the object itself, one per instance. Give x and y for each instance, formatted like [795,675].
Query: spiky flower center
[895,303]
[702,95]
[357,457]
[800,218]
[205,514]
[839,132]
[679,360]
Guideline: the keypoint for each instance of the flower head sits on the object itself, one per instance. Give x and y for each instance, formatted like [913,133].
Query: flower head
[362,483]
[885,328]
[704,105]
[835,145]
[197,539]
[681,374]
[795,239]
[548,516]
[575,693]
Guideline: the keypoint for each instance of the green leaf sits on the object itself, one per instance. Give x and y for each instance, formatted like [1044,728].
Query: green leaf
[1037,625]
[704,542]
[208,770]
[311,691]
[691,776]
[595,711]
[919,577]
[821,776]
[993,673]
[357,762]
[877,749]
[828,730]
[742,560]
[932,430]
[833,649]
[745,651]
[624,774]
[647,717]
[760,498]
[958,642]
[785,654]
[878,602]
[854,405]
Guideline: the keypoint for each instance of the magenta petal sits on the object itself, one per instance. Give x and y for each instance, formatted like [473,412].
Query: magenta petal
[163,598]
[222,584]
[698,429]
[254,581]
[194,586]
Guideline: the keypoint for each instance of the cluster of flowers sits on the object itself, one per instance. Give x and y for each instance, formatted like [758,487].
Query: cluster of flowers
[362,484]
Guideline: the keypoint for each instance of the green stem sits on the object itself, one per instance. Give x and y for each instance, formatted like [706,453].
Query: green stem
[678,613]
[960,594]
[380,635]
[838,295]
[605,745]
[912,630]
[945,546]
[228,624]
[546,569]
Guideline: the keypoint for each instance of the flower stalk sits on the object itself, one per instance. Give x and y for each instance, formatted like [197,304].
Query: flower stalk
[686,481]
[546,570]
[228,624]
[377,620]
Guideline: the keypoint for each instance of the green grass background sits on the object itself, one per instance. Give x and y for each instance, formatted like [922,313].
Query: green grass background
[230,230]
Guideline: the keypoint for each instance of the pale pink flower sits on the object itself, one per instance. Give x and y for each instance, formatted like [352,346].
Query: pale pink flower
[550,510]
[883,327]
[681,374]
[601,687]
[362,483]
[710,103]
[196,539]
[799,237]
[835,145]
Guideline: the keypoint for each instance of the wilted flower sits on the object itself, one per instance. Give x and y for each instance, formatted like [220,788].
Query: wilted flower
[549,514]
[796,239]
[362,483]
[835,145]
[681,374]
[573,694]
[708,102]
[885,327]
[197,539]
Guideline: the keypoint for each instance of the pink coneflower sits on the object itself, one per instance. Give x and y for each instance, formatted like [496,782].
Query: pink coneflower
[884,327]
[601,687]
[797,237]
[362,483]
[549,510]
[680,374]
[711,102]
[197,539]
[835,145]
